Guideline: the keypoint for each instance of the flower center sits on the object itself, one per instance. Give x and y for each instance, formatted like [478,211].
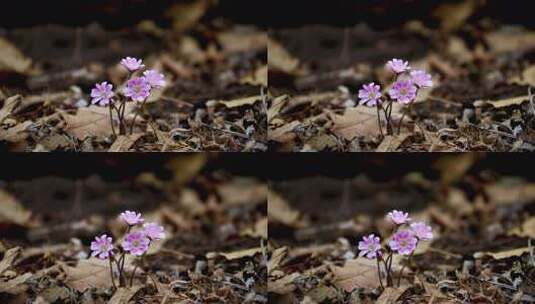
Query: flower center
[136,243]
[403,91]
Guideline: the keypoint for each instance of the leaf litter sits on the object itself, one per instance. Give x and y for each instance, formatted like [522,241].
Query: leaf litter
[213,253]
[482,70]
[214,100]
[482,250]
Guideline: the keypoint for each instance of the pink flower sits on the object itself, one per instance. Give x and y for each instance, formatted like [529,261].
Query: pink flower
[398,66]
[137,88]
[370,94]
[102,247]
[102,94]
[154,231]
[398,217]
[132,218]
[370,246]
[404,91]
[422,231]
[137,243]
[421,79]
[403,242]
[155,79]
[132,64]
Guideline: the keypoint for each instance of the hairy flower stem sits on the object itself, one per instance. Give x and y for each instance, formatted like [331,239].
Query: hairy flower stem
[134,272]
[379,121]
[123,122]
[121,277]
[379,272]
[119,110]
[403,268]
[111,120]
[388,113]
[403,116]
[122,114]
[390,275]
[135,116]
[387,262]
[385,111]
[111,273]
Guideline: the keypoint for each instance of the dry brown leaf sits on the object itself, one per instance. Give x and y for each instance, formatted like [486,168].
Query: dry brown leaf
[235,255]
[276,106]
[186,14]
[504,41]
[260,229]
[8,259]
[124,294]
[9,104]
[242,40]
[391,142]
[17,133]
[457,49]
[457,200]
[358,273]
[87,274]
[323,294]
[453,168]
[284,285]
[16,285]
[443,66]
[506,194]
[503,254]
[124,142]
[186,167]
[276,258]
[529,75]
[321,142]
[189,48]
[241,191]
[11,59]
[280,59]
[508,101]
[241,101]
[191,202]
[285,133]
[391,294]
[54,141]
[453,15]
[279,210]
[257,78]
[360,121]
[91,121]
[526,230]
[12,212]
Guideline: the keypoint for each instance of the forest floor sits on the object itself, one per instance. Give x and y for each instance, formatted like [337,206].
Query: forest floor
[480,253]
[480,100]
[214,252]
[214,99]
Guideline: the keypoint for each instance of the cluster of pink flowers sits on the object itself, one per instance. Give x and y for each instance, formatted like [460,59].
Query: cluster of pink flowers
[137,88]
[404,90]
[137,241]
[405,239]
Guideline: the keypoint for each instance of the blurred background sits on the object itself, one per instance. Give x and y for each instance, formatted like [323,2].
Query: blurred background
[313,195]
